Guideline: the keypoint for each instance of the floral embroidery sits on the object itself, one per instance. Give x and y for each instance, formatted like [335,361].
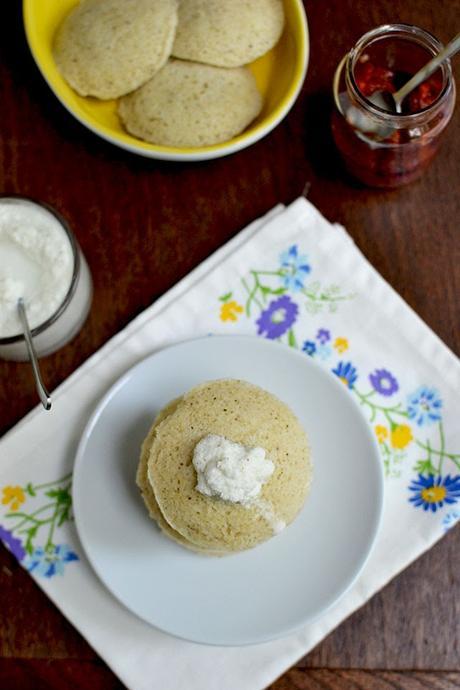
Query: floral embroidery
[347,373]
[401,436]
[323,336]
[49,561]
[432,492]
[381,432]
[31,531]
[424,406]
[341,344]
[383,382]
[12,543]
[14,495]
[294,269]
[275,297]
[277,318]
[229,311]
[450,519]
[309,347]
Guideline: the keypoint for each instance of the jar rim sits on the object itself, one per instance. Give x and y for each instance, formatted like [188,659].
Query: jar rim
[9,340]
[405,32]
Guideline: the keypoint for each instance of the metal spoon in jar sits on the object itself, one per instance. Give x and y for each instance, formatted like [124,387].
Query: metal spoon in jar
[393,101]
[39,385]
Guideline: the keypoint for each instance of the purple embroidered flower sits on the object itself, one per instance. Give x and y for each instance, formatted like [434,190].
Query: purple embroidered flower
[347,373]
[12,543]
[383,382]
[309,347]
[323,336]
[424,406]
[50,561]
[295,268]
[277,318]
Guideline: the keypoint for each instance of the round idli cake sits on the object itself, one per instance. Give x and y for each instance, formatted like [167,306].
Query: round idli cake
[227,33]
[190,104]
[250,441]
[107,48]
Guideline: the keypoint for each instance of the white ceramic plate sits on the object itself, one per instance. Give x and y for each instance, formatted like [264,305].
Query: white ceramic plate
[259,594]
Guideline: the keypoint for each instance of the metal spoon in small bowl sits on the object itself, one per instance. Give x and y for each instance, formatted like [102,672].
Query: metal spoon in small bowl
[393,101]
[39,385]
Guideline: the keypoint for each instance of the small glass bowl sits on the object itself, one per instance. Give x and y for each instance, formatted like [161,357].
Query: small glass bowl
[68,319]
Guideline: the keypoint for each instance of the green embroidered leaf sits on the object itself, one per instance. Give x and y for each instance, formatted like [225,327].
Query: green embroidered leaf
[291,339]
[425,467]
[225,297]
[62,496]
[64,516]
[314,287]
[279,291]
[29,489]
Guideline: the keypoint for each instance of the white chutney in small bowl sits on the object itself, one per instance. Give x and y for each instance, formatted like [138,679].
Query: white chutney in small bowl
[42,263]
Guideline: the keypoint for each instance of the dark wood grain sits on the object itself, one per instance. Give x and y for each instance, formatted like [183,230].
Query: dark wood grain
[144,224]
[326,679]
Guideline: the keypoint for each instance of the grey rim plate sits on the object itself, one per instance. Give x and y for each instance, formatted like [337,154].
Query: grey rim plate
[257,595]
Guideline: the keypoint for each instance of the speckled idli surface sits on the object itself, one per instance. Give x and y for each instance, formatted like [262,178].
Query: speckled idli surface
[107,48]
[245,414]
[189,104]
[227,33]
[146,490]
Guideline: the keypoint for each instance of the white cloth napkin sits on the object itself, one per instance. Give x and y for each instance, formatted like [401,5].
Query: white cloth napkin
[290,275]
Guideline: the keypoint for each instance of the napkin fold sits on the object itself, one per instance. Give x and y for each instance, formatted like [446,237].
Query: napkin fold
[293,276]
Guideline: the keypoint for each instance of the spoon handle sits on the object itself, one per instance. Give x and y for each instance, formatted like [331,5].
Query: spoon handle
[40,386]
[450,49]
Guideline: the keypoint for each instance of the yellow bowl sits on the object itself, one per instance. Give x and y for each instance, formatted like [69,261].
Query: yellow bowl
[279,74]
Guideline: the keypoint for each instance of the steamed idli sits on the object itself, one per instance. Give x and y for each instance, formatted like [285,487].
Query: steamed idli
[227,33]
[146,490]
[245,414]
[107,48]
[189,104]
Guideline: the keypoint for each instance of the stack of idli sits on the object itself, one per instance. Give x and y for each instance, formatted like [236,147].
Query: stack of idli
[167,479]
[177,66]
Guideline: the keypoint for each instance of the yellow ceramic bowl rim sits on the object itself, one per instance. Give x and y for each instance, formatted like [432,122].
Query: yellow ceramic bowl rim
[242,141]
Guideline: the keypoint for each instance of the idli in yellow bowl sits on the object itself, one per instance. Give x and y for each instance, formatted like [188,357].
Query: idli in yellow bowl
[279,75]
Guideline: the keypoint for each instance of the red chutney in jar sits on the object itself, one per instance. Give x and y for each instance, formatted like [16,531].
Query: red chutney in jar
[388,149]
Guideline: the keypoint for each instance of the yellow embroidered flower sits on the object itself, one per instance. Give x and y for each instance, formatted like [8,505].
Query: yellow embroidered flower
[381,432]
[13,495]
[341,344]
[401,436]
[229,311]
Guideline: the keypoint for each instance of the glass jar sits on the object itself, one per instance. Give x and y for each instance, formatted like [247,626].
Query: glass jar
[25,270]
[379,147]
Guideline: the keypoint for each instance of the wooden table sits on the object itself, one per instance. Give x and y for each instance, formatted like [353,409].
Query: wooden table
[143,225]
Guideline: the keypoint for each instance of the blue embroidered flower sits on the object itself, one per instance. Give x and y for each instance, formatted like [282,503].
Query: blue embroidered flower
[309,347]
[277,318]
[383,382]
[424,406]
[324,352]
[450,519]
[50,561]
[432,492]
[347,373]
[295,268]
[323,336]
[12,543]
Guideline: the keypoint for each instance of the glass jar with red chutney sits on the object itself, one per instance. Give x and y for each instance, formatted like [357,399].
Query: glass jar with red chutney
[380,147]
